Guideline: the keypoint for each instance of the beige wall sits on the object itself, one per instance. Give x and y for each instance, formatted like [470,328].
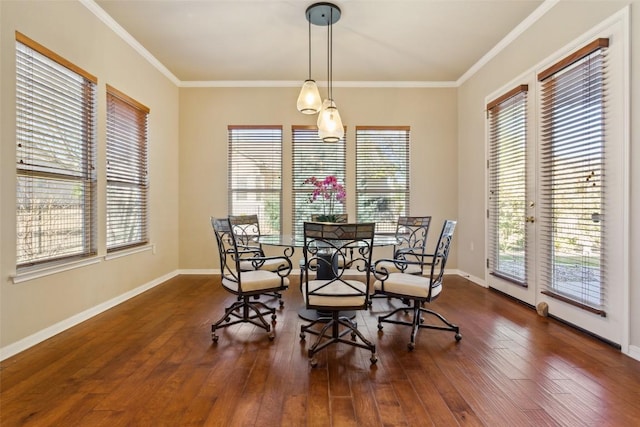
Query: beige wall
[564,23]
[206,112]
[72,31]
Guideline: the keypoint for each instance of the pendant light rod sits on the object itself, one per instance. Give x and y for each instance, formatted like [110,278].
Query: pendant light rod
[329,61]
[309,19]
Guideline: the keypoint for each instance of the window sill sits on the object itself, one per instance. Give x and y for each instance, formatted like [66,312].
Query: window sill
[130,251]
[38,272]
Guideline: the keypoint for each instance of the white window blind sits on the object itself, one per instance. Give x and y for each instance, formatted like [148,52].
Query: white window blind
[255,174]
[507,117]
[382,175]
[313,158]
[55,155]
[573,178]
[127,181]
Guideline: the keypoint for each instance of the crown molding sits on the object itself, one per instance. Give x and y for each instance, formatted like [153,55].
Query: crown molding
[296,83]
[506,41]
[128,38]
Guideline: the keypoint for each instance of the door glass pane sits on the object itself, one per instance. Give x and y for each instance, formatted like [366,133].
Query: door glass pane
[507,186]
[572,162]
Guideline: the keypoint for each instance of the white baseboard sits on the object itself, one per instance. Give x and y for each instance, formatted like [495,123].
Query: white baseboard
[634,351]
[199,271]
[38,337]
[474,279]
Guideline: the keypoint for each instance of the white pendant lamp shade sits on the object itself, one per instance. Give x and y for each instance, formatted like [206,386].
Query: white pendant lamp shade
[309,101]
[330,127]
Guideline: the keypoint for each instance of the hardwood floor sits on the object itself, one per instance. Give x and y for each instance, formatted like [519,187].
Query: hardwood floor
[151,362]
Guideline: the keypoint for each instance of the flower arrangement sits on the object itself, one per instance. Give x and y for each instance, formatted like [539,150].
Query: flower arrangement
[329,192]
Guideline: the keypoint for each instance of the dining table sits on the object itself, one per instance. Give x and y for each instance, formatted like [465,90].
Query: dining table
[290,242]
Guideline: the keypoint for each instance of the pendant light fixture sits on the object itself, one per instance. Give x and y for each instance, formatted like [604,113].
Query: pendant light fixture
[330,127]
[309,101]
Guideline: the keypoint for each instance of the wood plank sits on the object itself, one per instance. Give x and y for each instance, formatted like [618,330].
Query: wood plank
[151,361]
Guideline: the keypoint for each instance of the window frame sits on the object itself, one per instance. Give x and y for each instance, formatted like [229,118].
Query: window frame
[126,171]
[55,158]
[270,220]
[307,160]
[367,160]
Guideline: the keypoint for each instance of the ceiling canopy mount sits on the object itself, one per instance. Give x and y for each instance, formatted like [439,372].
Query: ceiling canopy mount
[323,14]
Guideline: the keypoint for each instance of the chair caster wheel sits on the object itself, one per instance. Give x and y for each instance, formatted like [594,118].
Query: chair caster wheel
[458,337]
[380,326]
[274,317]
[281,303]
[214,337]
[421,320]
[373,359]
[271,336]
[228,319]
[353,336]
[302,336]
[411,346]
[313,362]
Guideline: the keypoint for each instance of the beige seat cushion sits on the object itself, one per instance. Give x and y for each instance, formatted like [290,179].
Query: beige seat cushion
[255,280]
[345,296]
[391,267]
[407,284]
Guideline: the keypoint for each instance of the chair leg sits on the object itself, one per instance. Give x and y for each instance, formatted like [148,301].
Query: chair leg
[251,312]
[450,326]
[326,338]
[417,322]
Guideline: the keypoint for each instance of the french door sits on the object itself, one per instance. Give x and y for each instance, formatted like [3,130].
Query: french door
[557,188]
[511,203]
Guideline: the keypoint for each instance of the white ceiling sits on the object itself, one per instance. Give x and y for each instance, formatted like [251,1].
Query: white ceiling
[384,41]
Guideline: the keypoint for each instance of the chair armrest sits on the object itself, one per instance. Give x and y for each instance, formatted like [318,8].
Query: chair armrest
[382,273]
[283,270]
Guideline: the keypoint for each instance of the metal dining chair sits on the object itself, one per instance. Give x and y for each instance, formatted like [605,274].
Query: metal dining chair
[417,289]
[411,233]
[326,245]
[246,229]
[246,284]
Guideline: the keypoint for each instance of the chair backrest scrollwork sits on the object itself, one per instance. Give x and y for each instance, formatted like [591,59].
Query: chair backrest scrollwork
[246,229]
[441,253]
[329,246]
[227,249]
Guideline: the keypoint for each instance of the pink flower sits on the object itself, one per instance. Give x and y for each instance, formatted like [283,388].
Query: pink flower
[328,190]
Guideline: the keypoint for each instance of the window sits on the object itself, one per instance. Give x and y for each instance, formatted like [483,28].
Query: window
[382,175]
[255,174]
[507,185]
[573,182]
[313,157]
[127,183]
[55,156]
